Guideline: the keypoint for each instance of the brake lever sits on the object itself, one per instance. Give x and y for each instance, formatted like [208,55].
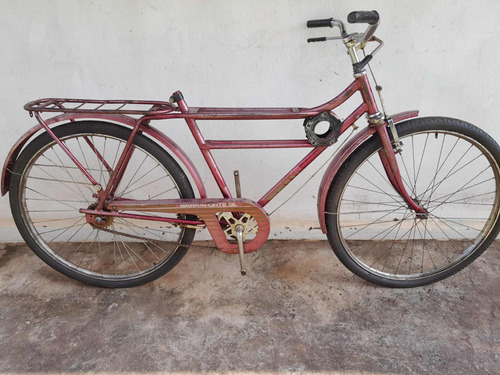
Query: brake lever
[312,40]
[323,39]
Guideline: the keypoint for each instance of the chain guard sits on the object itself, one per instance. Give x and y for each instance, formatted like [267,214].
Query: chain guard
[207,209]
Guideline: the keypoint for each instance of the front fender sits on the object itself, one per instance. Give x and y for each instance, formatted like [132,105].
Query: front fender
[342,156]
[119,119]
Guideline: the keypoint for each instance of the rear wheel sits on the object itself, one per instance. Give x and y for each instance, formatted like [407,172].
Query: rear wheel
[47,190]
[451,168]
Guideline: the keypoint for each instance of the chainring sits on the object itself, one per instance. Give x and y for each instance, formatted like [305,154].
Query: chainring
[229,221]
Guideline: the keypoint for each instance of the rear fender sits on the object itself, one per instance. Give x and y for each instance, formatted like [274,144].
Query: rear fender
[342,156]
[118,119]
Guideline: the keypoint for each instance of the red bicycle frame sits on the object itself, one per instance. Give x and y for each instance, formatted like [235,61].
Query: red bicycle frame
[108,206]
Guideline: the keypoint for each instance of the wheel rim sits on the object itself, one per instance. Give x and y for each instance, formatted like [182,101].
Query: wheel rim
[53,186]
[452,176]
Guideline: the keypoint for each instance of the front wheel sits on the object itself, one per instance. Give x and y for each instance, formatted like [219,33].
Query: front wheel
[449,167]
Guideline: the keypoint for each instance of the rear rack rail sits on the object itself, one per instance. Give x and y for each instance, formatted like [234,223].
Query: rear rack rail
[93,106]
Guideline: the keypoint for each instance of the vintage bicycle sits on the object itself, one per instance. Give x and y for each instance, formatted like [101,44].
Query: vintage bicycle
[102,196]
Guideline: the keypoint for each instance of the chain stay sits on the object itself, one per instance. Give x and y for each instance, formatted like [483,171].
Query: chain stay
[112,231]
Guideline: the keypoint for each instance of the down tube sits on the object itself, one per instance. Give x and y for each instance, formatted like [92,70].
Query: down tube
[349,121]
[309,158]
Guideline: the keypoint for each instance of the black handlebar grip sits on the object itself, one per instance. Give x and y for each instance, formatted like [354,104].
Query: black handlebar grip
[370,17]
[320,23]
[321,39]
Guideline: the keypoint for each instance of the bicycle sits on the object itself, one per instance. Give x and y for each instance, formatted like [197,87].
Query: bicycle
[100,195]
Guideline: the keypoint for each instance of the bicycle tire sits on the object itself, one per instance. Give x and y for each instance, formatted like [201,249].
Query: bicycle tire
[47,189]
[368,231]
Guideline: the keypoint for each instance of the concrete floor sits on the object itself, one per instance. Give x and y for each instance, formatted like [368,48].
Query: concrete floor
[298,310]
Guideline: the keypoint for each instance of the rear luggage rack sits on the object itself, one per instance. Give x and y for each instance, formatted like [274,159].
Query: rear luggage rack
[92,106]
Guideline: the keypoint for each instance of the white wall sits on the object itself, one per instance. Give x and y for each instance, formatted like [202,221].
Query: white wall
[440,57]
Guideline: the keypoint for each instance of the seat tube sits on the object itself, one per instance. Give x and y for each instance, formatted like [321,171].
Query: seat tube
[200,141]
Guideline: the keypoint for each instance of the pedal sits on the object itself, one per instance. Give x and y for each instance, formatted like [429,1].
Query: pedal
[241,250]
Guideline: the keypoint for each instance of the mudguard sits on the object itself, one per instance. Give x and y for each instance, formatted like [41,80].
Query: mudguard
[342,156]
[118,119]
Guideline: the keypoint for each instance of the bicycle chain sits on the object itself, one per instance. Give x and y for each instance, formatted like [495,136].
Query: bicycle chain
[154,241]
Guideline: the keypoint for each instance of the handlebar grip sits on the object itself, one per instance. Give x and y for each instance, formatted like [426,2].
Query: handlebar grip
[320,23]
[370,17]
[322,39]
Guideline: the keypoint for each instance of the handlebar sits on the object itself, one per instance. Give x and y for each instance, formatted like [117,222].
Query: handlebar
[369,17]
[353,41]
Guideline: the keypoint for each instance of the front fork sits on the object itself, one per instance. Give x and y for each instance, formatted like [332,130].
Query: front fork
[388,159]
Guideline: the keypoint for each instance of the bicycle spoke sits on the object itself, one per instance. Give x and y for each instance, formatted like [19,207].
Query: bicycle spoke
[413,164]
[388,230]
[384,178]
[57,166]
[52,220]
[394,242]
[433,181]
[161,193]
[420,164]
[406,244]
[449,175]
[127,247]
[448,156]
[408,184]
[357,202]
[69,239]
[371,183]
[374,191]
[85,254]
[398,225]
[73,181]
[372,223]
[366,211]
[460,224]
[135,173]
[50,199]
[472,203]
[423,249]
[148,183]
[437,244]
[451,241]
[65,183]
[74,225]
[65,169]
[462,189]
